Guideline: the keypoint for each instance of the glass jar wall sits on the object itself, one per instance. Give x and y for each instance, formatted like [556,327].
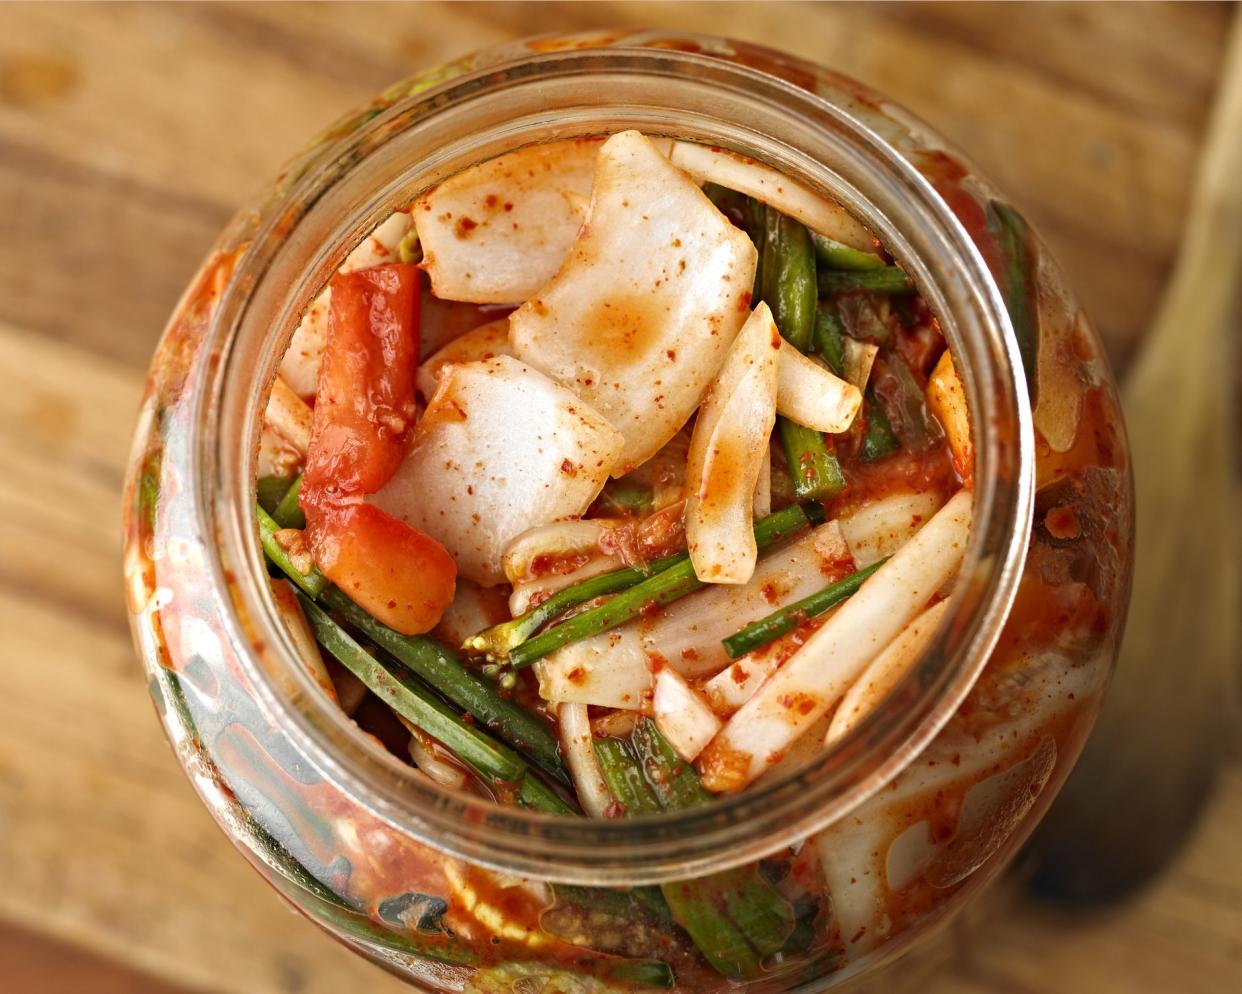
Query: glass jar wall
[903,823]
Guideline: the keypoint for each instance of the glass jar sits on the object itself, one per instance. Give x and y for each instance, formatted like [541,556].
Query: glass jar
[922,804]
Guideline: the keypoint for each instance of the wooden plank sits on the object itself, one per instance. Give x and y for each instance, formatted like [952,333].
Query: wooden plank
[105,844]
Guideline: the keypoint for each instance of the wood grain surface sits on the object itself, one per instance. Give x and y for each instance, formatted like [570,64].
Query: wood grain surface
[127,136]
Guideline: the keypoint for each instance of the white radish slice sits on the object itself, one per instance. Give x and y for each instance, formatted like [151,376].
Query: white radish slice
[729,445]
[299,629]
[548,558]
[289,416]
[608,670]
[762,505]
[852,859]
[947,401]
[687,633]
[737,683]
[737,172]
[484,342]
[681,714]
[441,771]
[500,449]
[813,396]
[299,366]
[577,744]
[885,671]
[816,676]
[473,609]
[276,457]
[880,527]
[497,232]
[857,358]
[638,319]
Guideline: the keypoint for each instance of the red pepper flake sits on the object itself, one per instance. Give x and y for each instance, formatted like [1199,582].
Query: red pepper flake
[465,225]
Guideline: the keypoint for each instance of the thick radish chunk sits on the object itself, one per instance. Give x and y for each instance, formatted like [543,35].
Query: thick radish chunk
[364,410]
[497,232]
[608,670]
[289,416]
[737,172]
[947,401]
[687,633]
[300,366]
[885,671]
[484,342]
[682,715]
[880,527]
[793,698]
[500,449]
[813,396]
[638,319]
[727,450]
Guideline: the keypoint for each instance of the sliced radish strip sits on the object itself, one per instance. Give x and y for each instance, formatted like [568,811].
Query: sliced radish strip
[947,401]
[885,671]
[737,683]
[858,358]
[729,445]
[303,638]
[546,453]
[289,416]
[881,527]
[762,505]
[813,396]
[687,633]
[814,679]
[638,319]
[737,172]
[484,342]
[681,714]
[576,739]
[608,670]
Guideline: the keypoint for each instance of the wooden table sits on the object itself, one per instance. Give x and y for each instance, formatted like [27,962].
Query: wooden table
[127,134]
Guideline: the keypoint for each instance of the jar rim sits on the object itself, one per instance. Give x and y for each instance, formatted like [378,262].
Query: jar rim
[805,135]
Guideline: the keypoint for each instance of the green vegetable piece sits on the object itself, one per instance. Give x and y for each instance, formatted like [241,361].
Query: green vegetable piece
[838,255]
[441,668]
[830,337]
[408,249]
[632,500]
[879,439]
[288,513]
[269,491]
[313,582]
[785,619]
[890,279]
[789,278]
[669,584]
[814,471]
[1013,238]
[624,778]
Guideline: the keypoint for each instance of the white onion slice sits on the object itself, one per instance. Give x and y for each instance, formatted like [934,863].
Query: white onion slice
[500,449]
[737,172]
[816,676]
[577,744]
[289,416]
[729,445]
[638,319]
[439,770]
[813,396]
[573,544]
[681,714]
[737,683]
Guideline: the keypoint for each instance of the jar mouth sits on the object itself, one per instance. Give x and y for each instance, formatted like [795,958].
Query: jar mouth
[303,234]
